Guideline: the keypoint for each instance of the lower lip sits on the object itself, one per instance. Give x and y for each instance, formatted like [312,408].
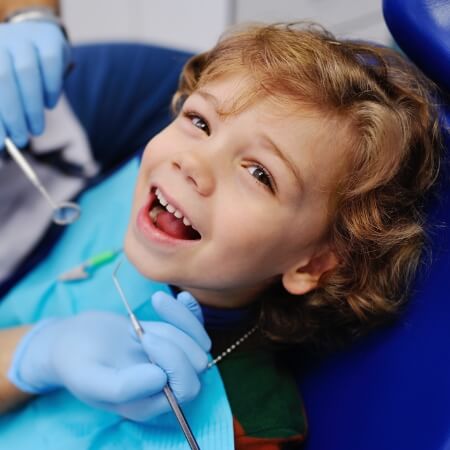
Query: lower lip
[151,233]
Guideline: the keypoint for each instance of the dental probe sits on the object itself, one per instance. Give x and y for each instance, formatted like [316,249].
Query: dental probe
[64,213]
[137,327]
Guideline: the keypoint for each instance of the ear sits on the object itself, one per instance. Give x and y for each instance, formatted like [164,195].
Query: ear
[304,278]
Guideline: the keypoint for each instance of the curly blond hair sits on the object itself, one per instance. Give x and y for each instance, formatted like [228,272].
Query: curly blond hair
[377,227]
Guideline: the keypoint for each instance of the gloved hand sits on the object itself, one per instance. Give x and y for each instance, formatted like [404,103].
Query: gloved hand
[97,357]
[33,58]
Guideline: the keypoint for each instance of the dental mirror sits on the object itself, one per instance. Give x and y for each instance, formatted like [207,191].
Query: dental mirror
[64,213]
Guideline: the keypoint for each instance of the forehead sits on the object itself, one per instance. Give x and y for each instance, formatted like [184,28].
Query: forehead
[237,93]
[230,94]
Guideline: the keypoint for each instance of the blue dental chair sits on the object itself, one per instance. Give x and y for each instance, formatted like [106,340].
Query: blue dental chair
[392,390]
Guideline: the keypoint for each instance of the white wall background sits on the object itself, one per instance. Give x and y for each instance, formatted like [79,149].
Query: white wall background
[196,24]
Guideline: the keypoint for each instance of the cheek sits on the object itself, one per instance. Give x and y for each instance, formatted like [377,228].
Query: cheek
[154,150]
[167,139]
[249,237]
[270,243]
[151,158]
[155,153]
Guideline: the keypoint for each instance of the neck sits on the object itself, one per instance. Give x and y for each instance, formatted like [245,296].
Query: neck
[227,298]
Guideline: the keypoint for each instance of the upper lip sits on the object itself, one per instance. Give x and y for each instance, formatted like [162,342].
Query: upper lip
[174,203]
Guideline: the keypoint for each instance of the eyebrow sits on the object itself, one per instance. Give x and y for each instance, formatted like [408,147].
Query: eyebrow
[291,166]
[209,98]
[272,146]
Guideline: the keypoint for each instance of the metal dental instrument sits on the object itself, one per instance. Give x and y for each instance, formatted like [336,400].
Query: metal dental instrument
[167,391]
[64,213]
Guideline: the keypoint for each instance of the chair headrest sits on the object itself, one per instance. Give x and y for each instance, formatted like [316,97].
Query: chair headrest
[421,28]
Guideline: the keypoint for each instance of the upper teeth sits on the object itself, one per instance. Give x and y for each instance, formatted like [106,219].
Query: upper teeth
[170,208]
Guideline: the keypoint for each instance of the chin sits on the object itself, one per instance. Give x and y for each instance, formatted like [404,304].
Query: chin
[142,261]
[135,254]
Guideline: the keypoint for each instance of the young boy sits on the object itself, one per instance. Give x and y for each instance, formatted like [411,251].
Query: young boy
[287,198]
[305,159]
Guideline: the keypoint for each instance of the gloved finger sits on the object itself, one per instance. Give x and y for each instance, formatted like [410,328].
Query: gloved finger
[193,305]
[106,384]
[176,313]
[52,56]
[182,377]
[11,108]
[196,355]
[141,410]
[26,67]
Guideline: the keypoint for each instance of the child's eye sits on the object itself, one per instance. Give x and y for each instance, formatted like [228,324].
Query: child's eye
[262,175]
[198,121]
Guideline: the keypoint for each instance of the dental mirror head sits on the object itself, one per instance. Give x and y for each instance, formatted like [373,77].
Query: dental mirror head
[66,213]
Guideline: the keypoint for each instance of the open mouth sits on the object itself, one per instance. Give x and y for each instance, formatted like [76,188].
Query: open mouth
[168,219]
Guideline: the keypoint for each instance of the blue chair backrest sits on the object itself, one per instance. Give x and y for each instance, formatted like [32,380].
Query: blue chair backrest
[392,390]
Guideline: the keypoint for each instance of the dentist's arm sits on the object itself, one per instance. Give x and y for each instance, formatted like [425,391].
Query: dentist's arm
[10,395]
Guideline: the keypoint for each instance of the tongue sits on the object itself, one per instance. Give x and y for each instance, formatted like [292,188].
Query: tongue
[174,227]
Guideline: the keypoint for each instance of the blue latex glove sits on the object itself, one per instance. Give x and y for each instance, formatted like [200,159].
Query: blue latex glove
[33,58]
[97,357]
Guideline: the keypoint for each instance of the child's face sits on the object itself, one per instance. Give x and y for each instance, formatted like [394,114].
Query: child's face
[256,187]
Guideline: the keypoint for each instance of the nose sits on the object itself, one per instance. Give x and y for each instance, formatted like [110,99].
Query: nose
[196,170]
